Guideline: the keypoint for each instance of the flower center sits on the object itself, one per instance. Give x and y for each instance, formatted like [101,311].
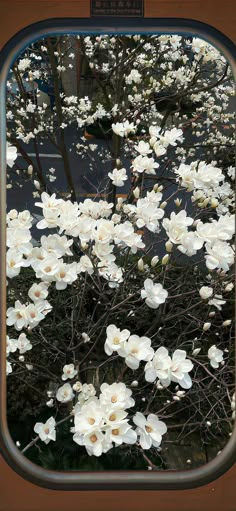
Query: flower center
[46,431]
[62,274]
[148,429]
[48,269]
[19,315]
[114,399]
[93,438]
[134,351]
[116,340]
[37,294]
[115,432]
[91,420]
[32,314]
[112,417]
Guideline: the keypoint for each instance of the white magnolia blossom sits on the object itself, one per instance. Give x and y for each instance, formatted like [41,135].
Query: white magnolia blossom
[116,395]
[205,292]
[166,369]
[217,302]
[69,372]
[118,177]
[38,292]
[65,393]
[150,430]
[215,356]
[123,129]
[176,227]
[23,344]
[219,255]
[46,432]
[115,339]
[144,164]
[136,349]
[154,294]
[11,155]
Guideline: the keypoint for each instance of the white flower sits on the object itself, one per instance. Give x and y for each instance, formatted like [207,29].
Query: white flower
[23,344]
[17,316]
[136,349]
[121,433]
[89,417]
[217,302]
[14,262]
[19,238]
[190,243]
[65,274]
[123,128]
[171,137]
[87,391]
[205,292]
[11,155]
[94,442]
[215,356]
[148,214]
[115,339]
[69,371]
[143,148]
[104,231]
[116,395]
[38,292]
[24,64]
[11,345]
[49,202]
[150,430]
[46,432]
[159,367]
[154,294]
[65,393]
[134,76]
[144,164]
[180,367]
[56,245]
[220,255]
[47,268]
[177,226]
[85,265]
[118,177]
[8,367]
[207,176]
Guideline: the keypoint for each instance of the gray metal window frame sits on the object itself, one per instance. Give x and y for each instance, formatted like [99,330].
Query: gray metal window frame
[112,480]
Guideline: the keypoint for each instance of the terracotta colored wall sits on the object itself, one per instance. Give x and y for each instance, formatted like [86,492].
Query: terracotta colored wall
[17,494]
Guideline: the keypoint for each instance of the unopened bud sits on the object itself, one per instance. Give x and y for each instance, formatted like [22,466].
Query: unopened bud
[136,192]
[165,259]
[163,205]
[214,203]
[140,265]
[196,351]
[227,322]
[169,246]
[154,261]
[178,202]
[37,185]
[30,170]
[229,287]
[206,326]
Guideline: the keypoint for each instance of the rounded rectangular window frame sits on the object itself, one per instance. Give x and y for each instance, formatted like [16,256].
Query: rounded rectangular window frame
[115,480]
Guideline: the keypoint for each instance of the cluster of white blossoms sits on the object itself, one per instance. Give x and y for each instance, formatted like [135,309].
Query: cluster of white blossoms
[132,348]
[167,369]
[160,365]
[102,422]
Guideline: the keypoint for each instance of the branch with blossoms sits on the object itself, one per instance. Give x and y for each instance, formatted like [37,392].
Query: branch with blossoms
[121,310]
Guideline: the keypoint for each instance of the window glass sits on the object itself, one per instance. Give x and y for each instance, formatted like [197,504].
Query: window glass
[120,225]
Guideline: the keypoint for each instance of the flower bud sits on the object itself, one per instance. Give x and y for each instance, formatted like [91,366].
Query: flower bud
[140,265]
[214,202]
[227,322]
[169,246]
[211,314]
[196,351]
[165,259]
[163,205]
[178,202]
[136,192]
[30,170]
[154,261]
[206,326]
[37,185]
[229,287]
[134,383]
